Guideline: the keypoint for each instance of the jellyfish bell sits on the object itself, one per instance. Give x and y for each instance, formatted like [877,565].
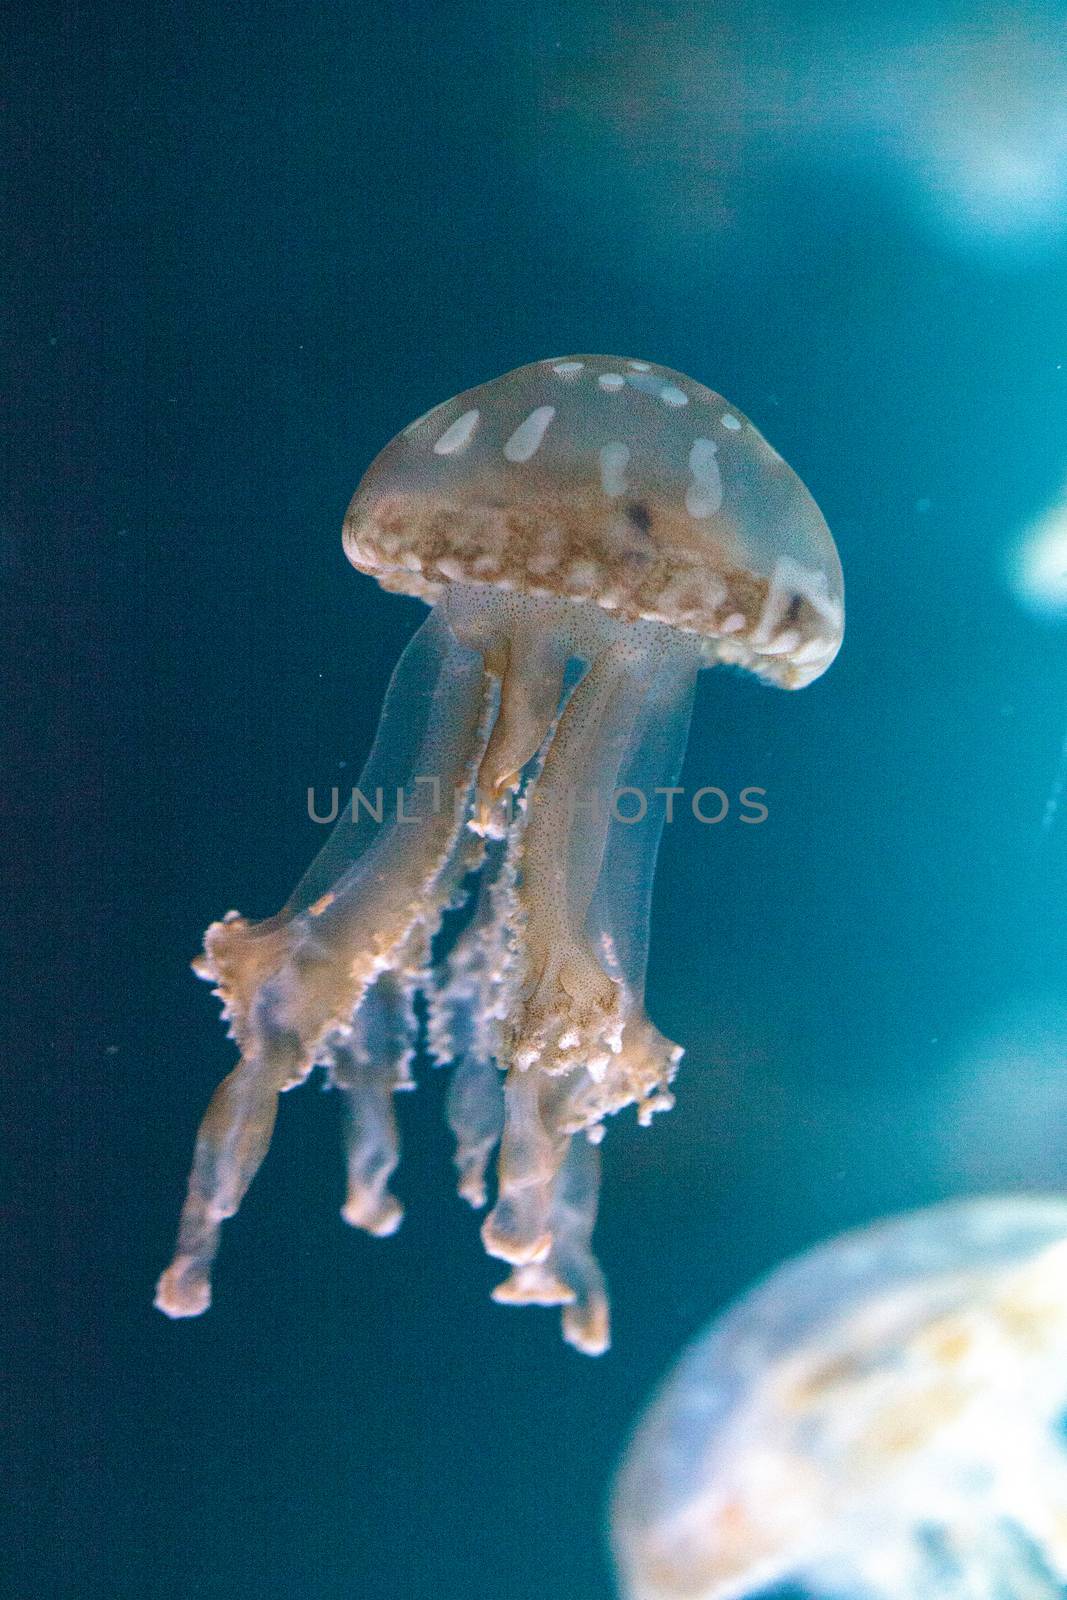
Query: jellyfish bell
[585,510]
[878,1420]
[595,479]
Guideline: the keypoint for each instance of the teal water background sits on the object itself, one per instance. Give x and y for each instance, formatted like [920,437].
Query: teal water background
[257,241]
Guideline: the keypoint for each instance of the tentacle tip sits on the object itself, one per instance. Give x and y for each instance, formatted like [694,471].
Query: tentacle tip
[182,1292]
[535,1285]
[378,1215]
[512,1247]
[587,1327]
[471,1187]
[487,822]
[661,1100]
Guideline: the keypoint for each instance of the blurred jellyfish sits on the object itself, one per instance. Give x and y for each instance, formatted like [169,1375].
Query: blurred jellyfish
[998,1116]
[1039,563]
[881,1419]
[981,121]
[587,511]
[1038,570]
[967,115]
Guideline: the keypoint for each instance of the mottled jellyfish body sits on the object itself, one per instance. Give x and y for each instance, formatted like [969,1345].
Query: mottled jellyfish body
[881,1419]
[590,532]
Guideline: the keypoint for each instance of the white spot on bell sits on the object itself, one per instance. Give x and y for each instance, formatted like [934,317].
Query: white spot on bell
[780,593]
[611,380]
[614,459]
[700,502]
[790,578]
[568,369]
[703,497]
[812,650]
[671,395]
[529,435]
[645,382]
[639,366]
[458,435]
[730,421]
[782,643]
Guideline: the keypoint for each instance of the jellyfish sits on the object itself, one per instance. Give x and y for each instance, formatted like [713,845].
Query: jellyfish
[589,532]
[1038,567]
[1038,573]
[880,1419]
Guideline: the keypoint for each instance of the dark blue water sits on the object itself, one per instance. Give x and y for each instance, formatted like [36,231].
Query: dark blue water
[254,242]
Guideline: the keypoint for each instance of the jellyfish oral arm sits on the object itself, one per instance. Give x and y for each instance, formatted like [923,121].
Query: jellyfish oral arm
[581,1029]
[577,1045]
[531,665]
[292,986]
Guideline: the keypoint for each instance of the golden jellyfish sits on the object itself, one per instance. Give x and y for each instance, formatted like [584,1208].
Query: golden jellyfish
[589,531]
[881,1419]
